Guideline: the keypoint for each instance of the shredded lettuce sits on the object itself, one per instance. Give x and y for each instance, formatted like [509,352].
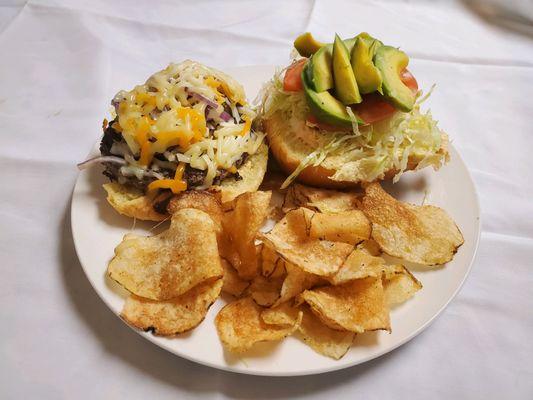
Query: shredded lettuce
[315,158]
[372,150]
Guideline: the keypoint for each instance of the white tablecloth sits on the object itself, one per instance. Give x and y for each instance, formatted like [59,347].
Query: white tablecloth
[62,62]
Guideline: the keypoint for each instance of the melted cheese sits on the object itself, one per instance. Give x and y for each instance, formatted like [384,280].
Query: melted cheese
[176,185]
[163,116]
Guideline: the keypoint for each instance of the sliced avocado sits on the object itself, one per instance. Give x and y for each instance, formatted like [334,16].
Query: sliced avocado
[324,106]
[366,74]
[307,45]
[321,70]
[346,89]
[391,62]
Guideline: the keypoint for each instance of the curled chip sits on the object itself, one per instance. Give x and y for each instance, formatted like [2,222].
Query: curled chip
[164,266]
[358,265]
[356,306]
[240,326]
[284,314]
[233,284]
[324,340]
[242,224]
[420,234]
[290,238]
[370,247]
[399,284]
[265,291]
[200,200]
[296,281]
[350,227]
[271,263]
[170,317]
[323,200]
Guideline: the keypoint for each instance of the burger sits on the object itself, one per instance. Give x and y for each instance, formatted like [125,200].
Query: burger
[347,113]
[189,127]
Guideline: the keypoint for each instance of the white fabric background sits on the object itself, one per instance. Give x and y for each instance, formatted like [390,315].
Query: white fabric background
[62,62]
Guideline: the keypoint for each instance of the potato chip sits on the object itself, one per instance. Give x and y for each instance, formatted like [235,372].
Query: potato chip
[323,200]
[283,314]
[399,284]
[350,227]
[296,281]
[324,340]
[200,200]
[279,271]
[233,284]
[241,225]
[167,265]
[358,265]
[210,204]
[240,326]
[173,316]
[265,291]
[419,234]
[370,247]
[270,261]
[356,306]
[290,238]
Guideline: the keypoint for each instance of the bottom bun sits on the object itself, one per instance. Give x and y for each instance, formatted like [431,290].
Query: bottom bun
[133,203]
[289,151]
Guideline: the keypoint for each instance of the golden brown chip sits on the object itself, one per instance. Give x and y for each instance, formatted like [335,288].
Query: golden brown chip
[358,265]
[324,340]
[323,200]
[233,284]
[173,316]
[200,200]
[279,271]
[296,281]
[241,225]
[164,266]
[399,284]
[269,261]
[350,227]
[356,306]
[420,234]
[371,247]
[265,291]
[290,238]
[284,314]
[240,326]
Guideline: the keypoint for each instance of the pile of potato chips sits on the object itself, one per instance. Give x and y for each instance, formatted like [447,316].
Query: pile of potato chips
[317,273]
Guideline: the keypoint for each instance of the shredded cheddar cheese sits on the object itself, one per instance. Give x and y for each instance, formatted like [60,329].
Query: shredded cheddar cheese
[173,114]
[177,184]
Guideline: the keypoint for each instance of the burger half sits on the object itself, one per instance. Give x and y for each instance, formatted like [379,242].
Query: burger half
[188,127]
[347,113]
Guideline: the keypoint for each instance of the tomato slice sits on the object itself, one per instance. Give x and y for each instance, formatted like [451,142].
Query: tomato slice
[409,80]
[293,76]
[374,108]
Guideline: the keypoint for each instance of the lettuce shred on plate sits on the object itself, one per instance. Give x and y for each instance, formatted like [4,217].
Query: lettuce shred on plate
[370,150]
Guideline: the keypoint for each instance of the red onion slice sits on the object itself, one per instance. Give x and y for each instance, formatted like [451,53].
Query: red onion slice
[100,159]
[217,107]
[225,116]
[204,99]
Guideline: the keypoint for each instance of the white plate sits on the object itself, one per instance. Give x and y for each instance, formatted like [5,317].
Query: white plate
[97,229]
